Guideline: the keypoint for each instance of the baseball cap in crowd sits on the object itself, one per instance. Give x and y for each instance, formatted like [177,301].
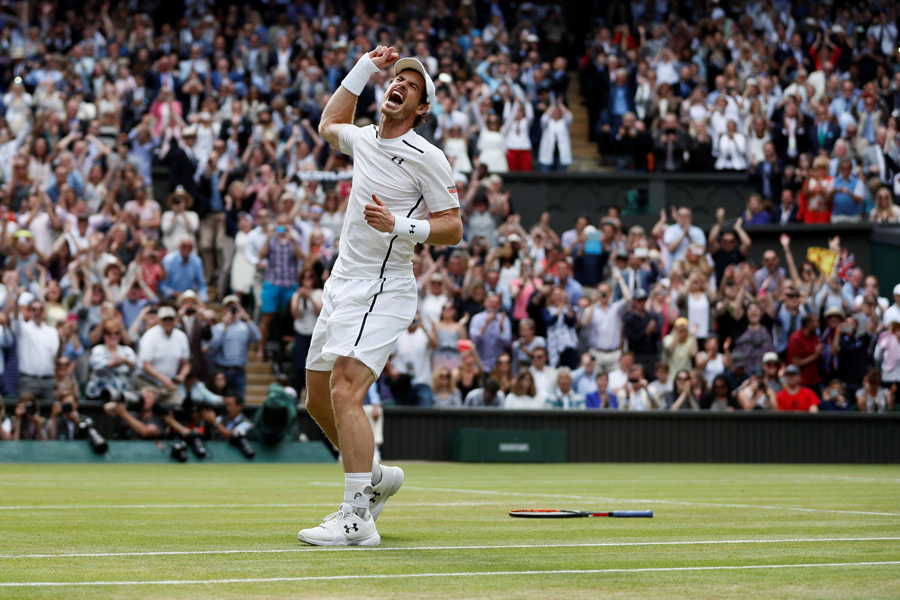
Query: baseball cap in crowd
[739,360]
[757,372]
[717,14]
[897,290]
[792,370]
[549,279]
[513,237]
[641,252]
[639,294]
[414,64]
[230,299]
[622,253]
[166,312]
[681,321]
[769,357]
[25,233]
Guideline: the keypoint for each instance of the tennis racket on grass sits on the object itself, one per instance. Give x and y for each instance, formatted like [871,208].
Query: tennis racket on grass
[545,513]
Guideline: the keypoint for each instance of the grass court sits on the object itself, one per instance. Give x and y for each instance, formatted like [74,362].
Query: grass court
[229,531]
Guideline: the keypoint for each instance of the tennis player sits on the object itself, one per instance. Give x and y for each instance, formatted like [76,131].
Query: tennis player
[370,298]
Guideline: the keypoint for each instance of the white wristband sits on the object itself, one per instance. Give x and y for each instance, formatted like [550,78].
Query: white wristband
[359,76]
[413,230]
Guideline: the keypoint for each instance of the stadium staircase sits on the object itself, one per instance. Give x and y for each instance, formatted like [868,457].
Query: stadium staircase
[585,157]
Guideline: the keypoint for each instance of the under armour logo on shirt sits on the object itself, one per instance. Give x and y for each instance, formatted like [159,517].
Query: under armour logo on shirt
[412,228]
[397,160]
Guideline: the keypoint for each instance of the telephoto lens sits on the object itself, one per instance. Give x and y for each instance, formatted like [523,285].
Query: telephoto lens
[87,431]
[197,446]
[240,441]
[179,451]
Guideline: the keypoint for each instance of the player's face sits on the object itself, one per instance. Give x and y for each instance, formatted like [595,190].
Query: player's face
[402,97]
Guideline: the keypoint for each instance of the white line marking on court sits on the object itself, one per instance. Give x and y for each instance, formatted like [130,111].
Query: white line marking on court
[167,506]
[434,575]
[416,548]
[652,501]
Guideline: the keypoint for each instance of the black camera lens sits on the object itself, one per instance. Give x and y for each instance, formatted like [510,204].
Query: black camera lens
[31,408]
[179,451]
[86,431]
[67,408]
[197,446]
[239,441]
[190,311]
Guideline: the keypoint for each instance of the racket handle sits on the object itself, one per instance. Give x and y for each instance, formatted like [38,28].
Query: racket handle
[632,513]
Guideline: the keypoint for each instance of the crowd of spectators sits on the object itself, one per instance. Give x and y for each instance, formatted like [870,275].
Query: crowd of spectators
[804,97]
[164,189]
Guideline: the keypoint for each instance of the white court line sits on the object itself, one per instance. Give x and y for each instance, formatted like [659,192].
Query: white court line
[167,506]
[416,548]
[345,578]
[643,501]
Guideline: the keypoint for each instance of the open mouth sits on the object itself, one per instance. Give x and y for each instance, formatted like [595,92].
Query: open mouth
[395,99]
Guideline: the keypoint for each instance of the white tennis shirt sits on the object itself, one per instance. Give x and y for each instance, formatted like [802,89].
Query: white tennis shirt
[411,177]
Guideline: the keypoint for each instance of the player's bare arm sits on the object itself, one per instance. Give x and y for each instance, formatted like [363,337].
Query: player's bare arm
[339,111]
[446,225]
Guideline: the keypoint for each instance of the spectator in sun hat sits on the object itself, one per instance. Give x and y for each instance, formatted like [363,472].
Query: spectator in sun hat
[179,221]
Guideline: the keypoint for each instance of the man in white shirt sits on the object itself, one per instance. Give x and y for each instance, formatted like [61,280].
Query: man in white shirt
[164,359]
[605,321]
[412,356]
[371,296]
[38,345]
[543,374]
[892,314]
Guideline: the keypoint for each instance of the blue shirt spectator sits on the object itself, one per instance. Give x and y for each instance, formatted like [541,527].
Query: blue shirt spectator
[184,271]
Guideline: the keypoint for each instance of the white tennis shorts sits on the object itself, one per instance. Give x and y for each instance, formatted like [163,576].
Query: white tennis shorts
[361,319]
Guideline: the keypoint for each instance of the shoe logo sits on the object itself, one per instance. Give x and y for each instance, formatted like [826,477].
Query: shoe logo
[357,496]
[397,160]
[374,498]
[347,527]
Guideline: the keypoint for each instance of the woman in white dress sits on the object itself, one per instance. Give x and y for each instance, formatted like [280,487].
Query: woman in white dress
[241,269]
[457,147]
[555,150]
[491,142]
[179,221]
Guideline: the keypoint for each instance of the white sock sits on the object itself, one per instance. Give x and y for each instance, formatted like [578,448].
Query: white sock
[357,490]
[376,472]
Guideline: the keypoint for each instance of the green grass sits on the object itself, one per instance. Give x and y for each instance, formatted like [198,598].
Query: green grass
[447,508]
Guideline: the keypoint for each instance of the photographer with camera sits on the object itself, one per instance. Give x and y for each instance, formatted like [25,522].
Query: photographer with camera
[145,423]
[64,418]
[112,364]
[232,425]
[231,340]
[26,423]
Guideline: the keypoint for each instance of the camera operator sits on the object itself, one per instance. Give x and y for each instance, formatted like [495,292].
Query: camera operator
[144,424]
[64,418]
[232,422]
[27,422]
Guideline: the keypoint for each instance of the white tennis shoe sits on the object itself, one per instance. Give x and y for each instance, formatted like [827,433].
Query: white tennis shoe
[343,528]
[391,480]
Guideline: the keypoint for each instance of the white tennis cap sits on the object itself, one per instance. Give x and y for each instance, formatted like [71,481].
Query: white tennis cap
[414,64]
